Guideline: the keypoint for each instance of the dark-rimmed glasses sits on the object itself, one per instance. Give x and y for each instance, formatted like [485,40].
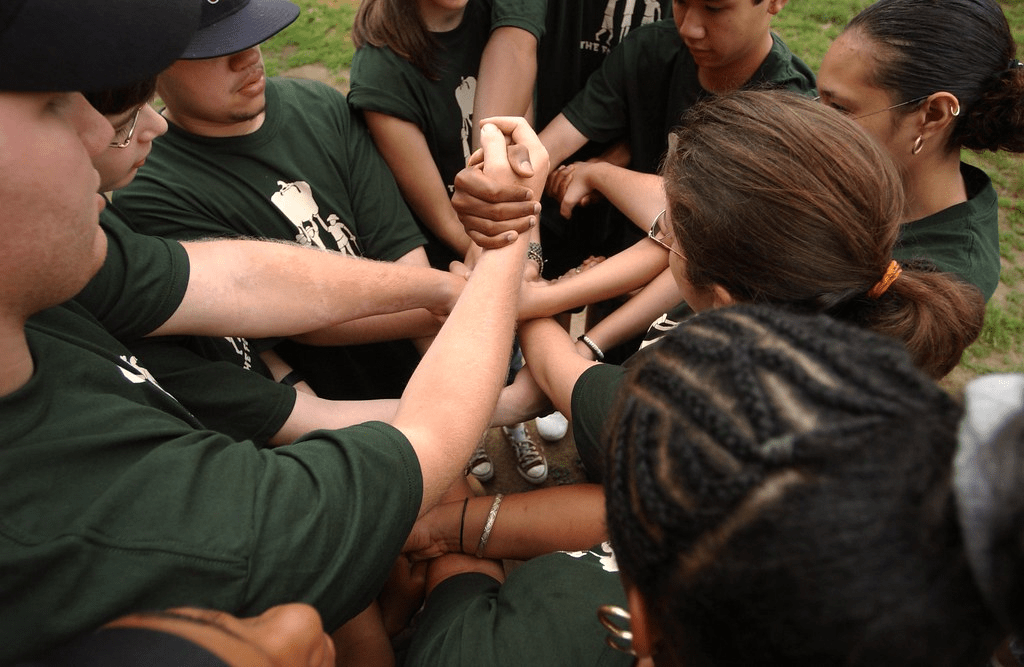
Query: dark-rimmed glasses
[662,236]
[123,135]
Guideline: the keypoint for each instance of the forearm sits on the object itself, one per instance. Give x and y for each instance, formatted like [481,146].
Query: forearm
[559,518]
[553,360]
[640,197]
[416,323]
[311,413]
[623,272]
[636,315]
[262,289]
[561,139]
[441,412]
[508,71]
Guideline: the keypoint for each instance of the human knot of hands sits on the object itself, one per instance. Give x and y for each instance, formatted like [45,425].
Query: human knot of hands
[497,195]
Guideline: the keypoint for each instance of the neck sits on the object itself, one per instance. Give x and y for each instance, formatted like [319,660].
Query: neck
[207,128]
[440,20]
[15,358]
[733,77]
[933,185]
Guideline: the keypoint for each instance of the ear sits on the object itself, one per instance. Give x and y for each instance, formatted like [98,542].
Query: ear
[938,114]
[645,635]
[775,6]
[721,296]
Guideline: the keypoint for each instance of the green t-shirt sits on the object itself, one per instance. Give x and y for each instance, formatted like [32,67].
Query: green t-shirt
[442,108]
[646,84]
[577,37]
[544,614]
[962,239]
[311,174]
[223,382]
[593,396]
[113,499]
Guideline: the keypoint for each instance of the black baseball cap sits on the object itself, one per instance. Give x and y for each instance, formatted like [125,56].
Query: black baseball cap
[230,26]
[72,45]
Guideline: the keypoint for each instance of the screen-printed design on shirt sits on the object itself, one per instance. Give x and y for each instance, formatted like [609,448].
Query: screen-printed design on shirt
[465,93]
[295,200]
[607,36]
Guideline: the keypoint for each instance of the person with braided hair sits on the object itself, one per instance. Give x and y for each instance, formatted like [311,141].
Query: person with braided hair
[927,79]
[779,491]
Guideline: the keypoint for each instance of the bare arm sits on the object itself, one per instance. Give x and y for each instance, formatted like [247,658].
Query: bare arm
[636,315]
[554,360]
[561,139]
[508,71]
[405,149]
[526,525]
[623,272]
[443,413]
[248,288]
[638,196]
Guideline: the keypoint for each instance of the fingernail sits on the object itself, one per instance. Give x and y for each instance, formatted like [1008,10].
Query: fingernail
[533,222]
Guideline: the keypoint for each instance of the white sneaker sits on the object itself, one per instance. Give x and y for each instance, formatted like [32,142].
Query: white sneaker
[480,465]
[552,427]
[530,461]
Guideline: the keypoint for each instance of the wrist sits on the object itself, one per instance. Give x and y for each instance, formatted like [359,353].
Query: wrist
[592,346]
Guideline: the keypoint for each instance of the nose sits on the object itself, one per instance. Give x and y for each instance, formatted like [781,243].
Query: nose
[152,124]
[247,58]
[690,26]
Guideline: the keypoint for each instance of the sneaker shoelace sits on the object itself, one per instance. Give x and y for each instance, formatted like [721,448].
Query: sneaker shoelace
[527,454]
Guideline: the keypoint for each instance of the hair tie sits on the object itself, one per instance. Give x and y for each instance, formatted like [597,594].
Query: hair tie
[1014,64]
[891,274]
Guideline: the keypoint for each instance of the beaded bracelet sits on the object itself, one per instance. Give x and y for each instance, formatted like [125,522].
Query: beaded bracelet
[535,252]
[598,354]
[491,516]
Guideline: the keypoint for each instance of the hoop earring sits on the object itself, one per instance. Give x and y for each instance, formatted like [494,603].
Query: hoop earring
[615,620]
[918,145]
[954,111]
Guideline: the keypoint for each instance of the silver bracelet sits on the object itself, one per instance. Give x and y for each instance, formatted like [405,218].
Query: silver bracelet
[598,354]
[491,516]
[535,252]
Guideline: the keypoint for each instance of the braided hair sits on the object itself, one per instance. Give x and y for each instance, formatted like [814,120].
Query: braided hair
[778,490]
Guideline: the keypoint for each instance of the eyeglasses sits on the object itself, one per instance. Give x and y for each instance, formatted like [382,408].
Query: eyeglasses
[865,115]
[662,236]
[123,135]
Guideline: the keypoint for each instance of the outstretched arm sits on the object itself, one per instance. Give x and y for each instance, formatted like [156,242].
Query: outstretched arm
[623,272]
[636,315]
[508,71]
[405,149]
[265,288]
[526,524]
[443,413]
[554,360]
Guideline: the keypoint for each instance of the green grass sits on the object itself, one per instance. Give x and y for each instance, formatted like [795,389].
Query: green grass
[320,36]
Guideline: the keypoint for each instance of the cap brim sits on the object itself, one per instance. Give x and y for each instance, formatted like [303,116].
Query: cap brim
[254,23]
[56,45]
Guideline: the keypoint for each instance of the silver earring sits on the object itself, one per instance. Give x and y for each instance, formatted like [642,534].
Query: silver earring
[954,111]
[616,620]
[918,145]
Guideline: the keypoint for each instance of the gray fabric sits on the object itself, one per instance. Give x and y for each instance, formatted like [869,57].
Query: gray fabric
[990,401]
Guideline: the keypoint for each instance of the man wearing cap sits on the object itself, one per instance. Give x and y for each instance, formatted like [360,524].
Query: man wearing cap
[112,497]
[283,159]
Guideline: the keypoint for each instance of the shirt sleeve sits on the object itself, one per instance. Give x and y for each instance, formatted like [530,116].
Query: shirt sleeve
[529,15]
[141,283]
[592,399]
